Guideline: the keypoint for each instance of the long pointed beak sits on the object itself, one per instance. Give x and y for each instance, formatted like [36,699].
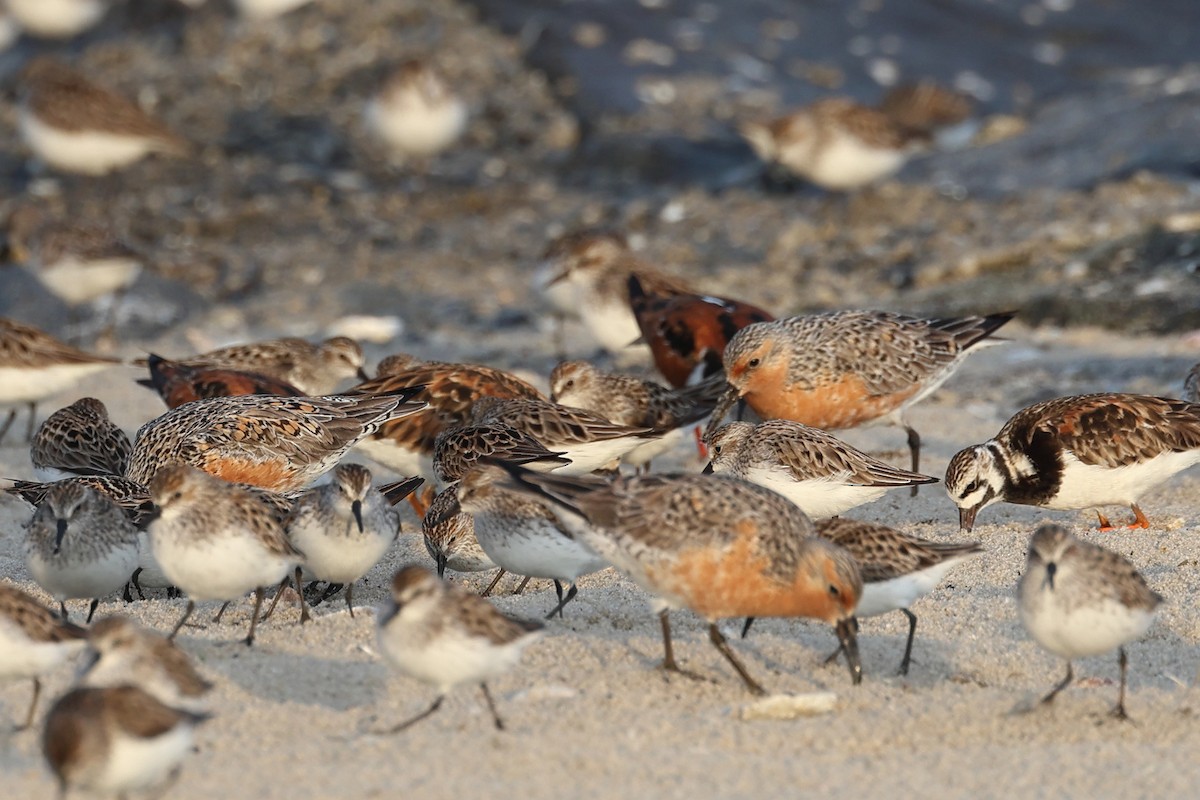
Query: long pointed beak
[559,278]
[362,375]
[726,402]
[1051,569]
[966,519]
[356,510]
[441,564]
[59,533]
[847,631]
[708,469]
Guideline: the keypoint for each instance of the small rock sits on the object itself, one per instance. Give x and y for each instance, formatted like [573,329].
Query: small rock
[791,706]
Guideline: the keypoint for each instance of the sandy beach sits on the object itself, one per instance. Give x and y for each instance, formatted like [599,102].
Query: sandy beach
[589,715]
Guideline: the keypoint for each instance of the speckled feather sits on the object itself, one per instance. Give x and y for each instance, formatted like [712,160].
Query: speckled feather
[26,346]
[178,383]
[458,449]
[884,553]
[38,623]
[81,439]
[631,401]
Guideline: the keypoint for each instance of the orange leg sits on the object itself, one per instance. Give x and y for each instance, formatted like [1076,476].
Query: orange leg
[1139,519]
[1105,525]
[421,503]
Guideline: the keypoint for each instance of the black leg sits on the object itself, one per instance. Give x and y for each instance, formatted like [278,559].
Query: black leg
[847,631]
[221,611]
[912,631]
[191,606]
[127,596]
[410,722]
[29,429]
[275,600]
[521,586]
[668,662]
[563,599]
[746,626]
[134,580]
[37,692]
[92,610]
[258,601]
[914,447]
[12,415]
[1064,683]
[350,598]
[722,646]
[1119,711]
[492,585]
[62,610]
[492,707]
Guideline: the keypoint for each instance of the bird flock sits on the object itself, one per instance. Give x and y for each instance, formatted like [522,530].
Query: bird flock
[251,482]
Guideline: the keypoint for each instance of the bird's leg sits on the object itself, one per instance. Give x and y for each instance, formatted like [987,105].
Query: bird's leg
[492,707]
[29,429]
[304,615]
[914,448]
[912,631]
[668,662]
[1064,683]
[746,626]
[413,721]
[62,610]
[521,586]
[563,600]
[722,646]
[221,611]
[191,606]
[92,610]
[1105,525]
[1118,711]
[258,601]
[847,631]
[12,415]
[1139,519]
[349,598]
[134,580]
[492,585]
[37,692]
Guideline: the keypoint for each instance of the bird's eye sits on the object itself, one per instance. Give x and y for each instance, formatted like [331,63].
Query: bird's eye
[971,487]
[717,450]
[754,362]
[833,591]
[570,384]
[176,495]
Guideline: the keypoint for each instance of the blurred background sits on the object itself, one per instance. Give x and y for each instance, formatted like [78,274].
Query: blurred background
[1069,191]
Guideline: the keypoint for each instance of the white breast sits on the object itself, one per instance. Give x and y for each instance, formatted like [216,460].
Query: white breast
[818,497]
[536,548]
[21,657]
[84,152]
[1088,485]
[395,457]
[29,384]
[845,163]
[1086,630]
[221,568]
[266,9]
[335,557]
[137,763]
[56,19]
[67,579]
[880,597]
[417,128]
[77,281]
[450,658]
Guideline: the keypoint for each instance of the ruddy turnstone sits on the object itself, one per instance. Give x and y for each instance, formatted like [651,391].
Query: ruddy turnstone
[75,125]
[450,390]
[416,113]
[717,545]
[687,333]
[588,440]
[34,365]
[1077,599]
[277,443]
[847,368]
[122,652]
[79,263]
[56,19]
[33,641]
[178,383]
[115,740]
[441,635]
[217,541]
[836,143]
[314,369]
[586,274]
[344,528]
[79,440]
[79,544]
[634,402]
[1078,452]
[522,534]
[816,471]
